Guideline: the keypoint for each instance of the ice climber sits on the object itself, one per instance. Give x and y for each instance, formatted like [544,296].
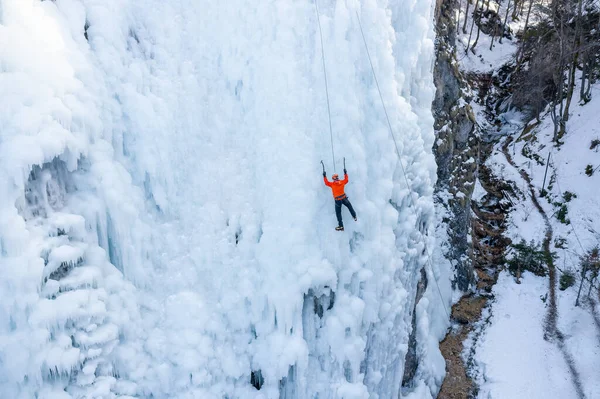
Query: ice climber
[337,187]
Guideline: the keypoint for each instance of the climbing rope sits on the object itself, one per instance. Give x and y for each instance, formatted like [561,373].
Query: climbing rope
[326,86]
[413,207]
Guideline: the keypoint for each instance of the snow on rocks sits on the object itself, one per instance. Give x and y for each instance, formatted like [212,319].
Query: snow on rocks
[515,335]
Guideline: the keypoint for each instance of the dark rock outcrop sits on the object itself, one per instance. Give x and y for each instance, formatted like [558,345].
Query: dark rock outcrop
[457,145]
[412,361]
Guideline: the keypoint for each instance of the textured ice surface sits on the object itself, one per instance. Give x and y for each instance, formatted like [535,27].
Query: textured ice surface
[163,157]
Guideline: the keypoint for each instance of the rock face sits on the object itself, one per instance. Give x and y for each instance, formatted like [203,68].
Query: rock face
[474,221]
[412,360]
[457,145]
[489,218]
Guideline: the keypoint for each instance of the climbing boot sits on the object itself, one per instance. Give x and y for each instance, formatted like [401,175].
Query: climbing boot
[340,228]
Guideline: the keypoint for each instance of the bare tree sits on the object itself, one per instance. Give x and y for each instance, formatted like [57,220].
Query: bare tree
[521,49]
[494,32]
[588,65]
[518,4]
[574,64]
[565,39]
[477,36]
[589,53]
[505,20]
[589,262]
[472,25]
[528,14]
[464,28]
[594,271]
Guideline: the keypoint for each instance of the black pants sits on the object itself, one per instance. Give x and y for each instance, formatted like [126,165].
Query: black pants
[338,210]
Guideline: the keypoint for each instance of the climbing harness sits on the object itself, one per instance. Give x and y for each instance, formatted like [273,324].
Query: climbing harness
[400,161]
[326,85]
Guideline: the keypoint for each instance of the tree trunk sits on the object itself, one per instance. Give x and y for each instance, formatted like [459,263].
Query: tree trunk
[571,85]
[561,122]
[521,7]
[556,117]
[521,52]
[584,75]
[588,90]
[570,89]
[591,285]
[583,273]
[528,14]
[472,25]
[493,35]
[464,28]
[516,9]
[555,121]
[560,80]
[505,20]
[476,38]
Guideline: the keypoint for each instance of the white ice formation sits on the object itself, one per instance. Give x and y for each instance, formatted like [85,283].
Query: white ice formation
[164,228]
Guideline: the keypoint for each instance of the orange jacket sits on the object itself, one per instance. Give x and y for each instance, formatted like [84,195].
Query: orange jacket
[337,187]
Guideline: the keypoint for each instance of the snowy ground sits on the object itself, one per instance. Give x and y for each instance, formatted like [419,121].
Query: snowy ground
[159,163]
[582,336]
[512,358]
[488,53]
[514,361]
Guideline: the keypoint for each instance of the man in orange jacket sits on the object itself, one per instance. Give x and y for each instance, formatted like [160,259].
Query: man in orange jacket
[337,188]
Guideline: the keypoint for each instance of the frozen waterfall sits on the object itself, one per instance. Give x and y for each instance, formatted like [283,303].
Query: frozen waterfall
[164,228]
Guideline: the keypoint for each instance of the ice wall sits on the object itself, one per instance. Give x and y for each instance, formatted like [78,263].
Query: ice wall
[164,228]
